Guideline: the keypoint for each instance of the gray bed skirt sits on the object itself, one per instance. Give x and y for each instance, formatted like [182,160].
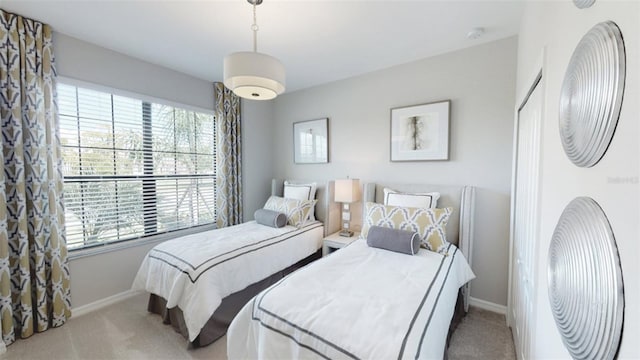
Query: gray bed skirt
[458,315]
[217,325]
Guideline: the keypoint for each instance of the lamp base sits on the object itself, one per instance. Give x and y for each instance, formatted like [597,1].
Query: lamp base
[346,233]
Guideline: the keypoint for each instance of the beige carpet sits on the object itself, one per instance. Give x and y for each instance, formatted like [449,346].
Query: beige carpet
[126,331]
[482,335]
[121,331]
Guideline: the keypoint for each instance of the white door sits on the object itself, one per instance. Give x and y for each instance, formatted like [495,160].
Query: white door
[524,217]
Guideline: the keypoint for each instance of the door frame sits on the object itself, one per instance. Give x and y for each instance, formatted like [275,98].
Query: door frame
[535,81]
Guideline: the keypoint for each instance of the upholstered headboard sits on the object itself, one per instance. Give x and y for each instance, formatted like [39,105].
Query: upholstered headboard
[460,198]
[327,211]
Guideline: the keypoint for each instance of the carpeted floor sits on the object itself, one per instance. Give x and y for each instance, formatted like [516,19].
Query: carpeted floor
[126,331]
[482,335]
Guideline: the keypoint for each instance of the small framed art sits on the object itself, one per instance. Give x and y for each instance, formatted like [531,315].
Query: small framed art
[420,132]
[311,141]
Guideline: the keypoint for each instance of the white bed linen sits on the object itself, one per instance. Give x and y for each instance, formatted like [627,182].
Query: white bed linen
[195,272]
[359,302]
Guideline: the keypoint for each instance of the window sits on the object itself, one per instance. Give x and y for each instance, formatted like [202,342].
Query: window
[133,168]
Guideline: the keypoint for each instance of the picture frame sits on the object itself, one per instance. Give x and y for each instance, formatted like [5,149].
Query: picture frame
[420,132]
[311,141]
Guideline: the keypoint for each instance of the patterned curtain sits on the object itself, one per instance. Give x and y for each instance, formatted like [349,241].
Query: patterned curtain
[34,273]
[229,158]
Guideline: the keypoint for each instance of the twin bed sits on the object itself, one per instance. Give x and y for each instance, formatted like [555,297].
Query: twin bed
[199,282]
[359,302]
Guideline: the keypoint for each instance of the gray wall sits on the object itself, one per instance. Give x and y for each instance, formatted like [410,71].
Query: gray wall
[481,91]
[557,27]
[257,159]
[99,276]
[84,61]
[480,82]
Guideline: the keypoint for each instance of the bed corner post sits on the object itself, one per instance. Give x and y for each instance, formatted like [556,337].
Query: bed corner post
[467,212]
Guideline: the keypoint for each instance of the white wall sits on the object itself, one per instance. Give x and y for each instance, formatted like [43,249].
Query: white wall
[480,82]
[613,182]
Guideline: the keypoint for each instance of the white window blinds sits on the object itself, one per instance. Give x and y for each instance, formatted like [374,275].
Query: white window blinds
[133,168]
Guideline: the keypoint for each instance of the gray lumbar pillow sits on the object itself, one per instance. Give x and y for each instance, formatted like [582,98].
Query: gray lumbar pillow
[270,218]
[402,241]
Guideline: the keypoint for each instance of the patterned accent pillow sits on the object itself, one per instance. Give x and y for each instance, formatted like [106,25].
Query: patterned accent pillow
[429,223]
[297,211]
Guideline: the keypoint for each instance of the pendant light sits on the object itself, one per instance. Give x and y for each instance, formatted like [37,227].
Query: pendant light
[253,75]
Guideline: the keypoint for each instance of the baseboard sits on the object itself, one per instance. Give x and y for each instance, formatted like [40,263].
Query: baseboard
[85,309]
[486,305]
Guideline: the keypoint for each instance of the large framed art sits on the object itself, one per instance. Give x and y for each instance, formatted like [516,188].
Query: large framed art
[311,141]
[420,132]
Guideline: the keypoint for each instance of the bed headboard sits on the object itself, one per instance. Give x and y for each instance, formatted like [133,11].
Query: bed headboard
[327,211]
[460,226]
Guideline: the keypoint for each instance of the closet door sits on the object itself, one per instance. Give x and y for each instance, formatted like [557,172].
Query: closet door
[524,219]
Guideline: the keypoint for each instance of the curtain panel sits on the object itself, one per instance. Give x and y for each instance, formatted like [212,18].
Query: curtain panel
[34,272]
[229,157]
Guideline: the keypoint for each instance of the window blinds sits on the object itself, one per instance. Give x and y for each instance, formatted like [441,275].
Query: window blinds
[133,168]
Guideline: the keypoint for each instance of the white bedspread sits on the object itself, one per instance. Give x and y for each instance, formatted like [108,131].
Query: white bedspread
[358,303]
[195,272]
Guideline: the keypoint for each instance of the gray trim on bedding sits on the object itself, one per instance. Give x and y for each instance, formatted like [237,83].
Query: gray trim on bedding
[219,322]
[194,272]
[460,226]
[258,312]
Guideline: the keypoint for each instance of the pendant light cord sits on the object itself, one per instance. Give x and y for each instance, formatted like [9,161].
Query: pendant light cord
[254,27]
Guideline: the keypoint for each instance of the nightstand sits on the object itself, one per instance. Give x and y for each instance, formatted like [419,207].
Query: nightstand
[334,242]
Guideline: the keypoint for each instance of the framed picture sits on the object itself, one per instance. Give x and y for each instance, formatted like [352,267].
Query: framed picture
[311,141]
[420,132]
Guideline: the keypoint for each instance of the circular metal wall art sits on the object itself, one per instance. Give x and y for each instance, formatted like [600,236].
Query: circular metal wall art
[583,4]
[591,95]
[586,291]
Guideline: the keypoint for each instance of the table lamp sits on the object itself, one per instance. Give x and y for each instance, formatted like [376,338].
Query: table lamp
[347,191]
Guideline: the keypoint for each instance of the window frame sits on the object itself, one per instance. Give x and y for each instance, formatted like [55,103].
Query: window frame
[143,239]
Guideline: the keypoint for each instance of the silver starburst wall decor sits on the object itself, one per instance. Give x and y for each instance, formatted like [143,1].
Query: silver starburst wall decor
[591,96]
[586,291]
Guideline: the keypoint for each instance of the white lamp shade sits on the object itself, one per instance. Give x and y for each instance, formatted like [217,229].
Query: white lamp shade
[347,190]
[253,75]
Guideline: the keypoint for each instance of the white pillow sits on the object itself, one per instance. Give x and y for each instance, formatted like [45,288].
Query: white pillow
[412,200]
[301,191]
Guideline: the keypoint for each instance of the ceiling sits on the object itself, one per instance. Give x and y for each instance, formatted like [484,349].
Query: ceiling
[318,41]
